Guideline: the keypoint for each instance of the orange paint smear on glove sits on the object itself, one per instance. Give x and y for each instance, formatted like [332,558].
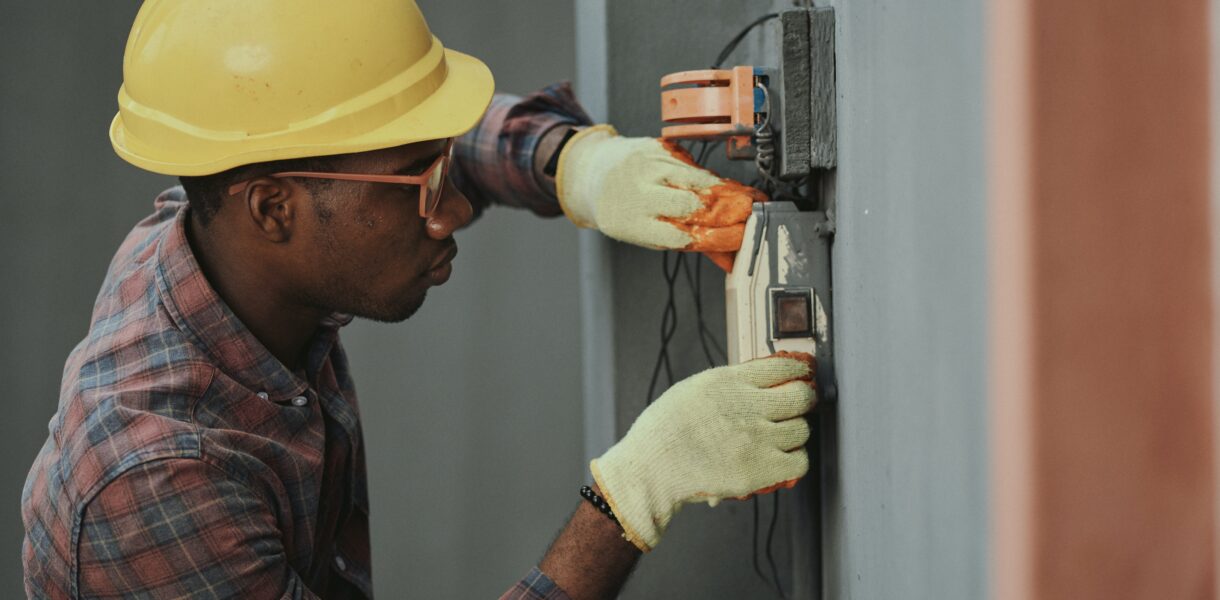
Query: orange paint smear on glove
[783,485]
[717,228]
[808,359]
[804,357]
[725,204]
[711,239]
[679,152]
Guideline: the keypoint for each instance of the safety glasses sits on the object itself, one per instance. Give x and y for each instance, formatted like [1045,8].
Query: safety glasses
[431,182]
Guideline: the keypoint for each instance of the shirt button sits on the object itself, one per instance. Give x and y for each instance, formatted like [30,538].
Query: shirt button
[300,401]
[340,563]
[263,395]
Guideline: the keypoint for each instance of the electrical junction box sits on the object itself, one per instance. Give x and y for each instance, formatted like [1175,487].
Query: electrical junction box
[777,298]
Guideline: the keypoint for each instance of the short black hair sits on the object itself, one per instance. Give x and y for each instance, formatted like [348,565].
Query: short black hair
[206,193]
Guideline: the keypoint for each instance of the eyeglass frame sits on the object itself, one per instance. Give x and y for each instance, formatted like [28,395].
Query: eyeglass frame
[421,180]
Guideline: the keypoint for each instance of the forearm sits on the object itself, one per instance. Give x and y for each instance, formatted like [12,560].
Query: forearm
[494,163]
[590,559]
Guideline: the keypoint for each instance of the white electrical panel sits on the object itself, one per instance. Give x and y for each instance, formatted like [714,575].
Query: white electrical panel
[771,297]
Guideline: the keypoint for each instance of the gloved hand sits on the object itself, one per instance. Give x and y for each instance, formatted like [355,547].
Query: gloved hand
[728,432]
[650,193]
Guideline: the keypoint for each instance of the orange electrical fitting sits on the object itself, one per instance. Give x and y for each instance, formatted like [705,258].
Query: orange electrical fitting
[711,104]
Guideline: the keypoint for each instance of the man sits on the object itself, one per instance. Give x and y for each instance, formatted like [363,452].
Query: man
[208,442]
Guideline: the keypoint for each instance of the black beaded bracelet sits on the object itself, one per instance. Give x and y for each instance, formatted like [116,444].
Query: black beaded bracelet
[600,503]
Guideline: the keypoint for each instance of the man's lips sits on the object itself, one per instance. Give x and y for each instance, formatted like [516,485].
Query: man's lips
[445,257]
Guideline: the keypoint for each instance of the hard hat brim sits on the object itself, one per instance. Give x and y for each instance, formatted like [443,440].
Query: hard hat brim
[452,110]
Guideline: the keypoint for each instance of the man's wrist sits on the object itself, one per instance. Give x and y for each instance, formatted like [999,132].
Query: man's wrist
[590,558]
[611,525]
[547,148]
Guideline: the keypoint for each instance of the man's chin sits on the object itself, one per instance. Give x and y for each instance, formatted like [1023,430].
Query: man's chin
[393,314]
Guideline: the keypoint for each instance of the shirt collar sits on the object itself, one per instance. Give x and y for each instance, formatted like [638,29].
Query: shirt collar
[199,311]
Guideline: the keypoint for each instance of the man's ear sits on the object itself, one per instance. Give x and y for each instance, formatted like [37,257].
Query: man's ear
[273,205]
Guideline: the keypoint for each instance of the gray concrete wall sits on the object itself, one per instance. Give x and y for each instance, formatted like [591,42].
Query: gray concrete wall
[906,494]
[478,394]
[910,282]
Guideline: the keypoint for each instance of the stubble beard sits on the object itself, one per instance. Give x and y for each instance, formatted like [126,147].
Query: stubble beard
[391,314]
[338,297]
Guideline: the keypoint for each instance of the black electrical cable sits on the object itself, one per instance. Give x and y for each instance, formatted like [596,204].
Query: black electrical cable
[669,315]
[669,324]
[698,297]
[706,151]
[754,539]
[732,45]
[770,538]
[707,340]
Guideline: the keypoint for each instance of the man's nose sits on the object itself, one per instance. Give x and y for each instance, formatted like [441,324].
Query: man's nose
[453,213]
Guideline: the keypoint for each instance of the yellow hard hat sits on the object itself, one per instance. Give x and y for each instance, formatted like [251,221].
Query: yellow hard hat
[209,85]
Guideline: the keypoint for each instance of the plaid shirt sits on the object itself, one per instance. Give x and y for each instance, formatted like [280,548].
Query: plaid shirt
[185,460]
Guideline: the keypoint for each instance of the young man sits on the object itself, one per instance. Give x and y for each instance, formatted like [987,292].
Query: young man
[208,439]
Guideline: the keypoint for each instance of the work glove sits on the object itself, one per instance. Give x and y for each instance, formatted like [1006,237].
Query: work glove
[728,432]
[651,193]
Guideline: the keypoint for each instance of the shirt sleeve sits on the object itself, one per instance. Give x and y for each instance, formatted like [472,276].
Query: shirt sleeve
[535,586]
[180,527]
[494,162]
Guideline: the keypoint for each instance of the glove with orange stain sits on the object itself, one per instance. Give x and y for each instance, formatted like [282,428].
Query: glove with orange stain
[808,359]
[728,432]
[651,193]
